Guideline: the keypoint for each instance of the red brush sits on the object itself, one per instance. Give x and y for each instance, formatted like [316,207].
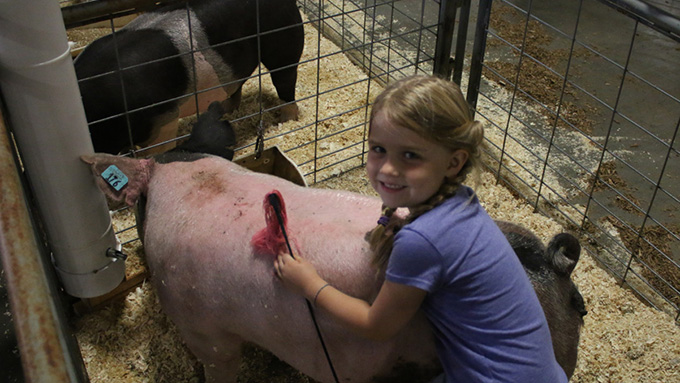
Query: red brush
[273,238]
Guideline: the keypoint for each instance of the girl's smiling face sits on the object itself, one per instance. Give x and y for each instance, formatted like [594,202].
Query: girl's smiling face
[405,168]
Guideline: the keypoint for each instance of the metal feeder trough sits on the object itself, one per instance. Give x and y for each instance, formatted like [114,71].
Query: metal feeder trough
[273,161]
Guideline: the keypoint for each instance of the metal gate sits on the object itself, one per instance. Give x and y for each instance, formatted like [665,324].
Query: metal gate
[582,104]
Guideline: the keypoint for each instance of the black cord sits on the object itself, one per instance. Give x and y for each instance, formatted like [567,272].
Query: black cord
[276,205]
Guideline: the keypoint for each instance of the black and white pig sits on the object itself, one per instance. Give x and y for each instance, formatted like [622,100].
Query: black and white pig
[200,215]
[158,74]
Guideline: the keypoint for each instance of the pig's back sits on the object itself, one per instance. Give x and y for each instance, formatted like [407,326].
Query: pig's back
[184,196]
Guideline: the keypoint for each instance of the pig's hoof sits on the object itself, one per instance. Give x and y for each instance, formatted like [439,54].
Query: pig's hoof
[289,112]
[229,106]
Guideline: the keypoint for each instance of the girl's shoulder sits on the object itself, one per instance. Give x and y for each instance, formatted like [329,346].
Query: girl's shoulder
[461,213]
[463,205]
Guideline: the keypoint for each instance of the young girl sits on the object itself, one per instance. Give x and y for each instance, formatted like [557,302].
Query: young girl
[449,258]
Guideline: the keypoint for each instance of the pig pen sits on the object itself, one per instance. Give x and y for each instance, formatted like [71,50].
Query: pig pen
[130,340]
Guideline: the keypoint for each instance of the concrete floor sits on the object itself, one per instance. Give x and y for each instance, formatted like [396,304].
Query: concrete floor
[642,150]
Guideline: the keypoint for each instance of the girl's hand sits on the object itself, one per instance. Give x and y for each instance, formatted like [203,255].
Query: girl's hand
[394,306]
[298,275]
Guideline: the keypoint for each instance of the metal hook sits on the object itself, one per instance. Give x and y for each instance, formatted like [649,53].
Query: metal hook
[259,143]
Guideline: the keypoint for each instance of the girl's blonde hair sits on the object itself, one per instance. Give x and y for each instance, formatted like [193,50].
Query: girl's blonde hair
[435,109]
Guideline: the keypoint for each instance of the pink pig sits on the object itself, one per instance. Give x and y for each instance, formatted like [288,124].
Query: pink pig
[199,215]
[199,220]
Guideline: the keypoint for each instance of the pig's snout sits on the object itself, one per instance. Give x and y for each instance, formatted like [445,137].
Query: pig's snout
[563,253]
[578,303]
[549,269]
[210,135]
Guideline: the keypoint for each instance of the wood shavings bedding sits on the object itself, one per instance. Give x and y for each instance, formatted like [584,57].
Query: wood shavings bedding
[131,340]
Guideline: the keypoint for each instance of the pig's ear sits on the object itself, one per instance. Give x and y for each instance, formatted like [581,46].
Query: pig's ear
[565,250]
[121,179]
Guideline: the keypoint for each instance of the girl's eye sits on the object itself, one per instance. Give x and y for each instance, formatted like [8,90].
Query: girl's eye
[411,156]
[378,149]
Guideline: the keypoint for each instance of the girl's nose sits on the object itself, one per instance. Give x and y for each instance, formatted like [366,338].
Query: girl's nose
[388,168]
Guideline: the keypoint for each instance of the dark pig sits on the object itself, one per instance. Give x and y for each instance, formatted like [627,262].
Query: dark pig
[200,215]
[158,75]
[549,270]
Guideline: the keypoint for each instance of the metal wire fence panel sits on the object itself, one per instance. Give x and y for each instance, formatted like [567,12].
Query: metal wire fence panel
[384,40]
[352,48]
[580,100]
[582,105]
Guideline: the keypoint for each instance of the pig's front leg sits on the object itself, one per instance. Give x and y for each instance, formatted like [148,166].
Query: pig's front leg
[289,112]
[221,357]
[232,102]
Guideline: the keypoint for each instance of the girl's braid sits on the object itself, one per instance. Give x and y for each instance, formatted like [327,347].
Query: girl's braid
[381,237]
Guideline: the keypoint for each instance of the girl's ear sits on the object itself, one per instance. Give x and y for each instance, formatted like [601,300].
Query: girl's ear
[457,160]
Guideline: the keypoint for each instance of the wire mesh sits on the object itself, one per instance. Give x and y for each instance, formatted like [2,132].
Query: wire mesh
[352,48]
[584,127]
[580,125]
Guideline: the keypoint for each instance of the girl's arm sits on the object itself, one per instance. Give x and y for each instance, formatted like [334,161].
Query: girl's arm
[394,306]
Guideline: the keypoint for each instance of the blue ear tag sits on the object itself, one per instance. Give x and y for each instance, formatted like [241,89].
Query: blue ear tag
[115,177]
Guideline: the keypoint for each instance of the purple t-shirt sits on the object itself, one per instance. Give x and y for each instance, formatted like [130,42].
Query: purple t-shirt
[488,322]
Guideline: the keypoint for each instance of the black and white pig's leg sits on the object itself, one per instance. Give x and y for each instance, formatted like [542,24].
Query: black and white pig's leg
[231,76]
[284,80]
[231,103]
[161,138]
[281,54]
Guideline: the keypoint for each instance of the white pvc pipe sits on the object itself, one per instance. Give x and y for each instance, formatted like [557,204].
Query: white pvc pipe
[39,87]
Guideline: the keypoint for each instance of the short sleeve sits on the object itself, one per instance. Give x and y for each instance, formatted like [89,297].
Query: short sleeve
[414,262]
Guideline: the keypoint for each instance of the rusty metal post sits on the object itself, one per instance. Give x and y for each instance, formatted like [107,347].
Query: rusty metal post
[43,345]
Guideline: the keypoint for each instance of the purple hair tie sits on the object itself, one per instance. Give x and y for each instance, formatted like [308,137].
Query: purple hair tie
[383,220]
